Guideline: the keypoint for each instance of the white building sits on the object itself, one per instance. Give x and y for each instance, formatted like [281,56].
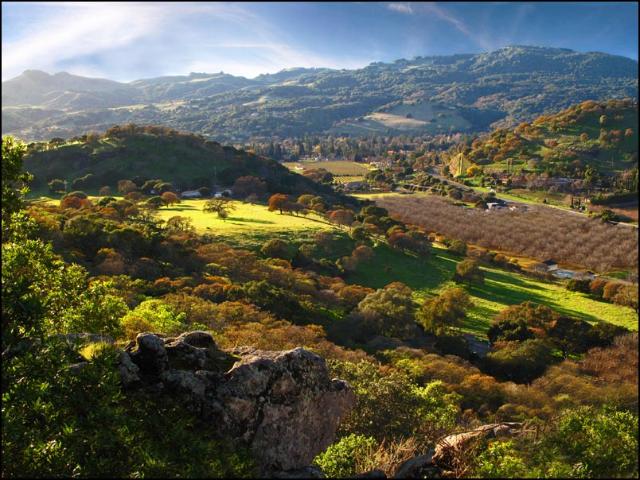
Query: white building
[191,194]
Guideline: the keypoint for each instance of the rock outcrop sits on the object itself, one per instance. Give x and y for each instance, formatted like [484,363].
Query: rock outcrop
[442,461]
[282,404]
[450,446]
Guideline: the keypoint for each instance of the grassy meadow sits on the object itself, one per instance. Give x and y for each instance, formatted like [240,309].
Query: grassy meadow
[500,290]
[249,225]
[244,218]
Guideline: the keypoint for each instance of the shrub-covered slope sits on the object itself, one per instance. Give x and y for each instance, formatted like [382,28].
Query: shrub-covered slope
[603,135]
[186,160]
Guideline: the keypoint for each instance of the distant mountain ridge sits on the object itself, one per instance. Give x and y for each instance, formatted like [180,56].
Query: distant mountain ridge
[425,95]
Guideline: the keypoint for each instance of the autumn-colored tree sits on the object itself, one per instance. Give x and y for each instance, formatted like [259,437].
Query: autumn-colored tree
[169,198]
[440,314]
[248,185]
[72,201]
[105,191]
[342,217]
[278,201]
[134,196]
[473,170]
[126,186]
[362,253]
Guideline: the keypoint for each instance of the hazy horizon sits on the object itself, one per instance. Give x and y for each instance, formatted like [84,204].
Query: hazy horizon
[132,41]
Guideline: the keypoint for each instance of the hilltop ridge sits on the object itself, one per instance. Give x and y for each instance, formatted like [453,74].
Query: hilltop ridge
[424,95]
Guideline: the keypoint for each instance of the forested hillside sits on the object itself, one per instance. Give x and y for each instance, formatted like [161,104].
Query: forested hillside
[598,137]
[185,160]
[445,94]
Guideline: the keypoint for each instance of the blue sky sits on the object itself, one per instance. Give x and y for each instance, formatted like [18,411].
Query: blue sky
[127,41]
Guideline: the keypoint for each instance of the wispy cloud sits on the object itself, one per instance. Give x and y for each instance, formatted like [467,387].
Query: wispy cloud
[459,24]
[78,30]
[438,12]
[123,40]
[401,7]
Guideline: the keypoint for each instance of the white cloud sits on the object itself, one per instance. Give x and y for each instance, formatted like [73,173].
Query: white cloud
[401,7]
[125,41]
[78,30]
[435,11]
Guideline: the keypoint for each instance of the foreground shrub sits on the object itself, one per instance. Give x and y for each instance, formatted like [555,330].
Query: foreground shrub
[604,440]
[340,460]
[390,405]
[41,295]
[501,460]
[82,425]
[153,316]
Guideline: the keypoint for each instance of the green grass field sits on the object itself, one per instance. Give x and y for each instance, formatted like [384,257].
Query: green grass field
[245,218]
[336,167]
[500,290]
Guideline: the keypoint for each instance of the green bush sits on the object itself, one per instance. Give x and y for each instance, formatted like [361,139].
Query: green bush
[41,295]
[391,406]
[341,459]
[444,313]
[469,271]
[457,246]
[575,285]
[520,361]
[76,422]
[604,440]
[153,316]
[276,248]
[501,460]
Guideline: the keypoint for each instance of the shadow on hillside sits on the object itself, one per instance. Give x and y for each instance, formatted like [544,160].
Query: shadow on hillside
[179,208]
[511,279]
[249,220]
[497,292]
[311,219]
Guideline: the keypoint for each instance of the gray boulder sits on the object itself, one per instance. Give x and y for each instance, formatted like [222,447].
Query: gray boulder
[283,405]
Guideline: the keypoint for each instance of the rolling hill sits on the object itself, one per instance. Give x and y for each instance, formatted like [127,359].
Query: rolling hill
[186,160]
[438,94]
[602,135]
